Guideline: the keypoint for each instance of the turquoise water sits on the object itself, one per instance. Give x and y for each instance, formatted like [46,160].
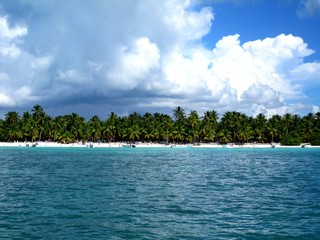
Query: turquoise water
[159,193]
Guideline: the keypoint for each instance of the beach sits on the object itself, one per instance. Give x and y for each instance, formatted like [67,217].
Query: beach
[147,145]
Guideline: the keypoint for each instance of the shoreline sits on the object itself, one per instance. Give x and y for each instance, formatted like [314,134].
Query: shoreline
[148,145]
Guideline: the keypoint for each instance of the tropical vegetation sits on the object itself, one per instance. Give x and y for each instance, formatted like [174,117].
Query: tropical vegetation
[235,127]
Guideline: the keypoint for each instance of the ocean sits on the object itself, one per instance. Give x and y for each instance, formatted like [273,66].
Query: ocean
[165,193]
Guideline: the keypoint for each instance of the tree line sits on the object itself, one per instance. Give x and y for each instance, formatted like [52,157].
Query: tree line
[181,127]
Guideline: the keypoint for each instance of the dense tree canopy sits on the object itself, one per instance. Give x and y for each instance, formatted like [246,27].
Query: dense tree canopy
[182,127]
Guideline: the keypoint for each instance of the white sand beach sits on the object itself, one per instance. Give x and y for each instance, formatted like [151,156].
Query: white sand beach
[249,145]
[147,145]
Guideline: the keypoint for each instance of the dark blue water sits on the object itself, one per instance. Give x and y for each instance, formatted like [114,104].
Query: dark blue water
[159,193]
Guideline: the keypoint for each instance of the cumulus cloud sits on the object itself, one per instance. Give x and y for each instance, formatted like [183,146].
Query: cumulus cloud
[261,62]
[145,55]
[308,73]
[134,64]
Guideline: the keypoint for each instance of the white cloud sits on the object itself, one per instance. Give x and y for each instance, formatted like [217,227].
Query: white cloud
[146,54]
[261,62]
[185,75]
[5,100]
[261,95]
[9,51]
[8,36]
[24,94]
[134,64]
[10,33]
[190,25]
[315,109]
[307,73]
[20,71]
[257,73]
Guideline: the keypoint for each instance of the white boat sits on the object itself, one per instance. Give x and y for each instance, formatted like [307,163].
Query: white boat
[149,145]
[181,146]
[128,145]
[306,145]
[206,145]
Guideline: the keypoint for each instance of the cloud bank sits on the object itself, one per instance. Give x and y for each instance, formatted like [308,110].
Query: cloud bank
[143,55]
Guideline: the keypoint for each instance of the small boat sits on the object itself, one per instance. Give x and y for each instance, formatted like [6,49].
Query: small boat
[181,146]
[306,145]
[128,145]
[204,145]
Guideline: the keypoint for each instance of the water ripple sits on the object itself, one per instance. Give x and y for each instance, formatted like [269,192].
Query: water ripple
[159,194]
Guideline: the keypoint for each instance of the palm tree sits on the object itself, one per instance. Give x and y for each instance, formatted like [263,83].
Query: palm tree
[179,114]
[148,118]
[31,130]
[287,121]
[317,120]
[2,130]
[66,137]
[58,126]
[272,132]
[133,133]
[307,127]
[224,136]
[179,133]
[12,126]
[193,119]
[245,133]
[12,118]
[259,126]
[193,123]
[274,128]
[41,118]
[110,130]
[209,136]
[156,134]
[166,124]
[211,116]
[296,121]
[78,128]
[135,118]
[14,133]
[234,126]
[147,134]
[232,122]
[208,126]
[95,128]
[26,117]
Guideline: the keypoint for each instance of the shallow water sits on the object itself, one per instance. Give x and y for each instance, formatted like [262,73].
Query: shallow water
[159,193]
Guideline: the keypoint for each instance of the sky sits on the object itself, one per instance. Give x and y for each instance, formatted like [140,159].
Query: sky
[103,56]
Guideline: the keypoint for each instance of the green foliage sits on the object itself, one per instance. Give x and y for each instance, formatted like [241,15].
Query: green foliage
[292,139]
[315,139]
[37,125]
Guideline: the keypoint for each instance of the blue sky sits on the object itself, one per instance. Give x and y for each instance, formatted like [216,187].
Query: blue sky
[262,19]
[94,57]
